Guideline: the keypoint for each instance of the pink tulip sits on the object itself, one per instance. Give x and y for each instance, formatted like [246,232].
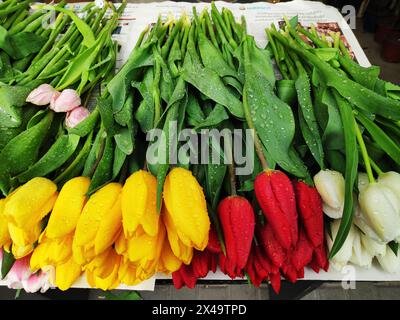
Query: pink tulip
[19,272]
[42,95]
[53,99]
[66,101]
[21,277]
[37,281]
[76,116]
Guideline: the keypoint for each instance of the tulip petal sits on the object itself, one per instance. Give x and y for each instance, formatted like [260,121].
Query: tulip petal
[68,207]
[67,273]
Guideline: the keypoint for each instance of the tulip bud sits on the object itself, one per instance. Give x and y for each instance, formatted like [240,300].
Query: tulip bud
[390,262]
[360,220]
[374,247]
[42,95]
[330,185]
[66,101]
[237,221]
[67,273]
[139,204]
[360,256]
[30,203]
[67,208]
[392,180]
[99,224]
[187,207]
[4,234]
[381,207]
[344,254]
[168,262]
[184,277]
[76,116]
[275,194]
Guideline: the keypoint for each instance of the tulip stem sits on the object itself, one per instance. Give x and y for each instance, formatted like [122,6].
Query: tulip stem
[364,154]
[375,167]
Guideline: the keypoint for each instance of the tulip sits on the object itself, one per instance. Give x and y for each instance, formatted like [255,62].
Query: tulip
[392,180]
[102,271]
[30,203]
[21,277]
[68,100]
[179,249]
[5,239]
[42,95]
[186,204]
[381,207]
[23,240]
[360,220]
[168,262]
[390,262]
[374,248]
[275,194]
[330,185]
[99,224]
[139,204]
[68,208]
[142,251]
[76,116]
[361,256]
[53,99]
[237,221]
[343,256]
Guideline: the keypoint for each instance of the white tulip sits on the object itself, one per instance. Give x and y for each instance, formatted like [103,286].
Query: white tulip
[374,248]
[392,180]
[363,181]
[362,223]
[360,256]
[330,185]
[381,208]
[343,256]
[389,262]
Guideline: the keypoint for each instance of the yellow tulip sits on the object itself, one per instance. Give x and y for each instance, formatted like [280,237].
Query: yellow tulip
[127,273]
[186,204]
[142,250]
[4,234]
[168,262]
[30,203]
[67,273]
[178,248]
[23,240]
[68,208]
[100,277]
[51,252]
[99,224]
[139,204]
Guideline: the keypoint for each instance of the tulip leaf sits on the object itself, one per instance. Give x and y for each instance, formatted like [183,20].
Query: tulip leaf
[130,295]
[86,126]
[75,168]
[6,263]
[55,157]
[87,32]
[349,125]
[104,170]
[380,137]
[22,151]
[272,118]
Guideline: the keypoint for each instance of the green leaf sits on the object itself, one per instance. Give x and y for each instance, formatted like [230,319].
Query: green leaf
[6,263]
[209,83]
[76,166]
[308,122]
[55,157]
[349,124]
[273,119]
[85,30]
[326,54]
[104,169]
[286,91]
[129,295]
[380,137]
[217,115]
[22,151]
[104,105]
